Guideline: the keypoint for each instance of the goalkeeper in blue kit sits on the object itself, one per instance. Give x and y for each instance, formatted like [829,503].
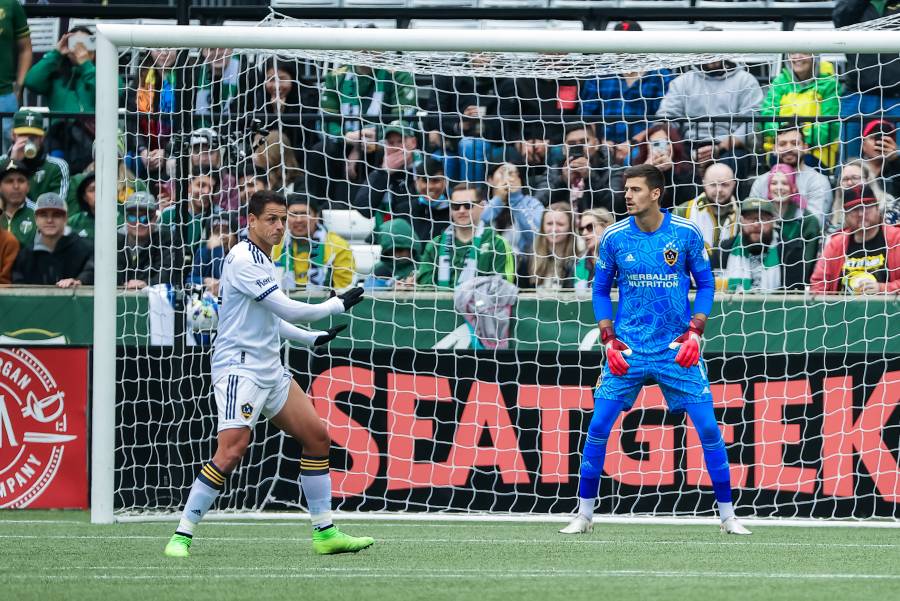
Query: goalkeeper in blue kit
[652,256]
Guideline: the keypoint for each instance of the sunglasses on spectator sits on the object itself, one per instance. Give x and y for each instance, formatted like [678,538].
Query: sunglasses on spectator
[142,219]
[456,206]
[587,227]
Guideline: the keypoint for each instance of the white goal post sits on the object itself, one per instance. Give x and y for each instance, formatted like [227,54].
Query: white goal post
[112,37]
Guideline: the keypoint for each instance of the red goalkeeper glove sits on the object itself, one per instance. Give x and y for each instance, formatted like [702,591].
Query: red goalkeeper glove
[688,344]
[616,351]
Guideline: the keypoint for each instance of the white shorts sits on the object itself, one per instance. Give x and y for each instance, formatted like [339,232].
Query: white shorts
[240,401]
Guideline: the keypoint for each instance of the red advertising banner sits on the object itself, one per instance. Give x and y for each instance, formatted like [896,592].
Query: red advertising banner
[43,428]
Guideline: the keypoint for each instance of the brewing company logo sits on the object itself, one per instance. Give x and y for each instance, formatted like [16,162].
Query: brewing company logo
[33,428]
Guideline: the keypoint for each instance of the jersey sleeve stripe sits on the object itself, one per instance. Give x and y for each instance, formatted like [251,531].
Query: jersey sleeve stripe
[266,293]
[613,229]
[681,222]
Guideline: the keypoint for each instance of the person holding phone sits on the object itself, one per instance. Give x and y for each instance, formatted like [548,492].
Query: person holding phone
[587,177]
[879,150]
[66,78]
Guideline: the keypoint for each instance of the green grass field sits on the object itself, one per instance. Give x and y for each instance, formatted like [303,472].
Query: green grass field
[60,555]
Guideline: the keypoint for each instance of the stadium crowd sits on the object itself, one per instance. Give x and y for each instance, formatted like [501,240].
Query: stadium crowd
[462,176]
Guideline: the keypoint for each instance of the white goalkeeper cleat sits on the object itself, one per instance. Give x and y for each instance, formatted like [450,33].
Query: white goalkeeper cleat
[578,525]
[732,526]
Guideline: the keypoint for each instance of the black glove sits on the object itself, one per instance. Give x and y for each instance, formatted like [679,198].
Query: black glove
[329,335]
[352,297]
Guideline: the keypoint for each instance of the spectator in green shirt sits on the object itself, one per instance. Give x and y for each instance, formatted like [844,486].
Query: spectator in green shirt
[467,248]
[15,59]
[66,78]
[82,222]
[18,209]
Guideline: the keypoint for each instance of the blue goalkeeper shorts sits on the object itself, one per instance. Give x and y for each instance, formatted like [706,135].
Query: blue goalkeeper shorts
[680,386]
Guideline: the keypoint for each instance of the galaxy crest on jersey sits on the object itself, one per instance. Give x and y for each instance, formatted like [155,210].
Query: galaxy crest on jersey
[652,271]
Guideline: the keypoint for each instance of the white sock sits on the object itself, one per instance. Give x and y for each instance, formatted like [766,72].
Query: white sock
[199,501]
[726,510]
[315,480]
[203,494]
[586,508]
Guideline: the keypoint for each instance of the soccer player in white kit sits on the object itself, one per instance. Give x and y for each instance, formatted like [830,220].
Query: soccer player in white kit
[250,380]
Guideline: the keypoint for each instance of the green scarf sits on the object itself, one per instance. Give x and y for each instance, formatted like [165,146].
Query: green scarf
[741,264]
[447,275]
[319,273]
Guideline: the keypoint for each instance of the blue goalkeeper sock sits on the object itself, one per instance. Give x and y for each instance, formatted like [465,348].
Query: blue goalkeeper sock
[203,494]
[594,454]
[315,480]
[715,455]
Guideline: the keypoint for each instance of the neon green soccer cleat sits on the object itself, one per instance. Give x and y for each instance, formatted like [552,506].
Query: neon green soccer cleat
[331,541]
[179,546]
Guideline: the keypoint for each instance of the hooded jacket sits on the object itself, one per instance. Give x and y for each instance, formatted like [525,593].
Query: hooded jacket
[697,94]
[72,257]
[81,216]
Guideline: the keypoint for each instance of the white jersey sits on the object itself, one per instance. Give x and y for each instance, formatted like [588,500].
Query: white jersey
[248,342]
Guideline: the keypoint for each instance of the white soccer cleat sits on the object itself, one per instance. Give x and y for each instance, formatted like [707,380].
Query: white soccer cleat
[578,525]
[732,526]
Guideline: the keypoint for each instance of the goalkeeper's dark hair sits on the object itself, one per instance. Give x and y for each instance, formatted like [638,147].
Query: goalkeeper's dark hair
[653,176]
[258,201]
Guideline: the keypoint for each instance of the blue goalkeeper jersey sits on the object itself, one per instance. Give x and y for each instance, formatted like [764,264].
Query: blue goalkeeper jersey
[653,273]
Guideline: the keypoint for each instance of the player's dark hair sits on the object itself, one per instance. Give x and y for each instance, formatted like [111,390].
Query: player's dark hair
[652,175]
[479,192]
[258,201]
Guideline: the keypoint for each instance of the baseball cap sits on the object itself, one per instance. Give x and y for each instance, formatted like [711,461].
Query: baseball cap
[757,206]
[27,121]
[50,201]
[140,200]
[396,126]
[12,166]
[204,136]
[396,233]
[882,126]
[628,26]
[859,195]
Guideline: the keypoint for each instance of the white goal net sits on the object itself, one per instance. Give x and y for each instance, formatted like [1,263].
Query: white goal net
[414,173]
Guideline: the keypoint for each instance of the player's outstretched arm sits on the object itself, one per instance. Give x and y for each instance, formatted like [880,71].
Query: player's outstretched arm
[308,337]
[293,311]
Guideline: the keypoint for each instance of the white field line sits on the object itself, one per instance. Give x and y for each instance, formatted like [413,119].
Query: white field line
[431,518]
[242,573]
[452,521]
[488,541]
